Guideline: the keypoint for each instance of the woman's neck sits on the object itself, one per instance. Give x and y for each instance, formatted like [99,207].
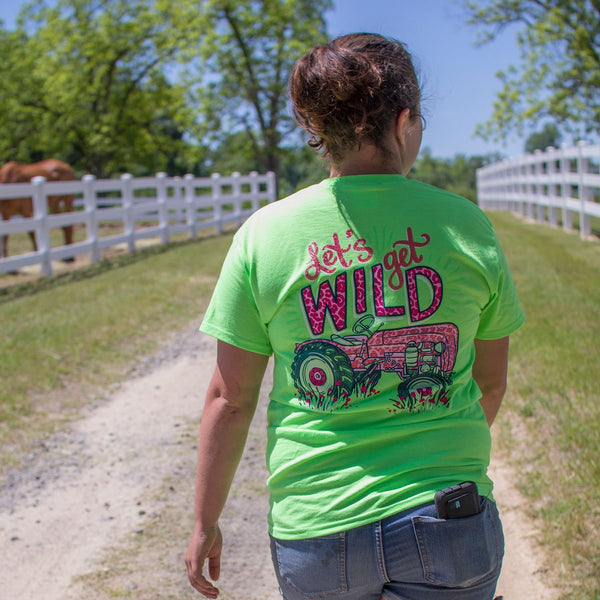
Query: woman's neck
[367,160]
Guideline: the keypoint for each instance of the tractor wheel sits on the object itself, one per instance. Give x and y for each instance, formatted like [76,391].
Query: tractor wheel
[421,392]
[323,375]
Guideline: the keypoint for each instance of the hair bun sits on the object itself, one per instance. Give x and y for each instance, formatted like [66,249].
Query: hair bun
[351,89]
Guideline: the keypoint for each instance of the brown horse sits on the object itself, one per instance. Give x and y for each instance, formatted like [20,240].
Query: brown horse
[52,170]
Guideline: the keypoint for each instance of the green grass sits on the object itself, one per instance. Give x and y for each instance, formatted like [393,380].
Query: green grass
[552,410]
[62,337]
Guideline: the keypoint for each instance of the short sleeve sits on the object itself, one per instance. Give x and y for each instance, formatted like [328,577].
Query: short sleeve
[503,314]
[233,315]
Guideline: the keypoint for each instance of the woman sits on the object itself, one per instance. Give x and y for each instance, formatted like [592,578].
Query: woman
[387,305]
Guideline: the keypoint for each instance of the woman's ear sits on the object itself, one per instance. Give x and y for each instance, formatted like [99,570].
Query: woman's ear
[408,134]
[401,126]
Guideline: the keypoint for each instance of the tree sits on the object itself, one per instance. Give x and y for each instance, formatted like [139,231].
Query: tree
[549,136]
[21,84]
[298,166]
[88,79]
[456,175]
[559,75]
[248,52]
[233,153]
[147,85]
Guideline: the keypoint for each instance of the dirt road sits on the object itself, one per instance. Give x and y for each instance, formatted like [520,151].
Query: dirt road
[103,509]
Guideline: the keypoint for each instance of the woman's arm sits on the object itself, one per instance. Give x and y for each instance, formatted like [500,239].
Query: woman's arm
[489,371]
[230,404]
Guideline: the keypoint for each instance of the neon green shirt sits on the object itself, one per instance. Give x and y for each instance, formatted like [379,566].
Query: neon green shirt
[369,291]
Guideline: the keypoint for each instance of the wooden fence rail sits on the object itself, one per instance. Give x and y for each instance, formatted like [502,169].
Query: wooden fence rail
[145,207]
[560,181]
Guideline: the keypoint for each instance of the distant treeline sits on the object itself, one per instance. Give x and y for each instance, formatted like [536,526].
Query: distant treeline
[144,86]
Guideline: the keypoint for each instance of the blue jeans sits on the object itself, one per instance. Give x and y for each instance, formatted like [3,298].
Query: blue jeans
[410,556]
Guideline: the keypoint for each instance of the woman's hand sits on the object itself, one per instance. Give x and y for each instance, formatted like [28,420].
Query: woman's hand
[205,544]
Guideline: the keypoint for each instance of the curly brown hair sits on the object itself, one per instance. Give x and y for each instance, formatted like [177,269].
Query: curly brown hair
[351,90]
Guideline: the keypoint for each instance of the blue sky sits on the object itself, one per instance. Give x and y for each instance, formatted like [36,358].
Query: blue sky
[459,78]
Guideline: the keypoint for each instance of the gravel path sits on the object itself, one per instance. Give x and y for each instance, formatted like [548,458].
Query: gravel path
[103,509]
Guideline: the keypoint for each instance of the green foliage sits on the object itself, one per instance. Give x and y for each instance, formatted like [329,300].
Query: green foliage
[234,153]
[456,175]
[150,85]
[300,167]
[21,84]
[87,84]
[549,136]
[247,53]
[559,74]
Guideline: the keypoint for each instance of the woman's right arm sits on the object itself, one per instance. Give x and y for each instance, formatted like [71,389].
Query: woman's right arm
[231,399]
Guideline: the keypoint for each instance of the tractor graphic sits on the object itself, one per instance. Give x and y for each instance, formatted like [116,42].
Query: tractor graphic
[329,373]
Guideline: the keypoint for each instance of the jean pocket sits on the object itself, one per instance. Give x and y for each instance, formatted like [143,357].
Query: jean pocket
[460,552]
[311,568]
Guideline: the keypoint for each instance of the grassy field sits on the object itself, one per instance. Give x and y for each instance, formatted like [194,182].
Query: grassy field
[67,337]
[64,337]
[550,422]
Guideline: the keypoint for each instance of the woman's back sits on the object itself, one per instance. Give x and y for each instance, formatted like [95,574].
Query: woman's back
[369,290]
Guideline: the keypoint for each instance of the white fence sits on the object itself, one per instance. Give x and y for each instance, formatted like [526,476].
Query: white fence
[146,207]
[541,186]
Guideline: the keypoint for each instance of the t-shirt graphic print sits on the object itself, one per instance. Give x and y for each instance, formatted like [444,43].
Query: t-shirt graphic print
[336,372]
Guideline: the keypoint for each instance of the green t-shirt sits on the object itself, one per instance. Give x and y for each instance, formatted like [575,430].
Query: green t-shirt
[369,291]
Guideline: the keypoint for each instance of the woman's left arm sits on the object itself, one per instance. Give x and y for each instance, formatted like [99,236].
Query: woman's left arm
[231,400]
[489,371]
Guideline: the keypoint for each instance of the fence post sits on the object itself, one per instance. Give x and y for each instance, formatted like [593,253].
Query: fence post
[508,189]
[216,199]
[179,212]
[514,188]
[127,203]
[271,187]
[42,233]
[539,187]
[189,204]
[511,188]
[552,187]
[503,204]
[522,190]
[89,206]
[254,190]
[565,189]
[582,168]
[519,189]
[236,188]
[161,197]
[529,196]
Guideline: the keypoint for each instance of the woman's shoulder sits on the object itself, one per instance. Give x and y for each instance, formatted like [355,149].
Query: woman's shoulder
[293,206]
[438,193]
[449,202]
[285,219]
[305,196]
